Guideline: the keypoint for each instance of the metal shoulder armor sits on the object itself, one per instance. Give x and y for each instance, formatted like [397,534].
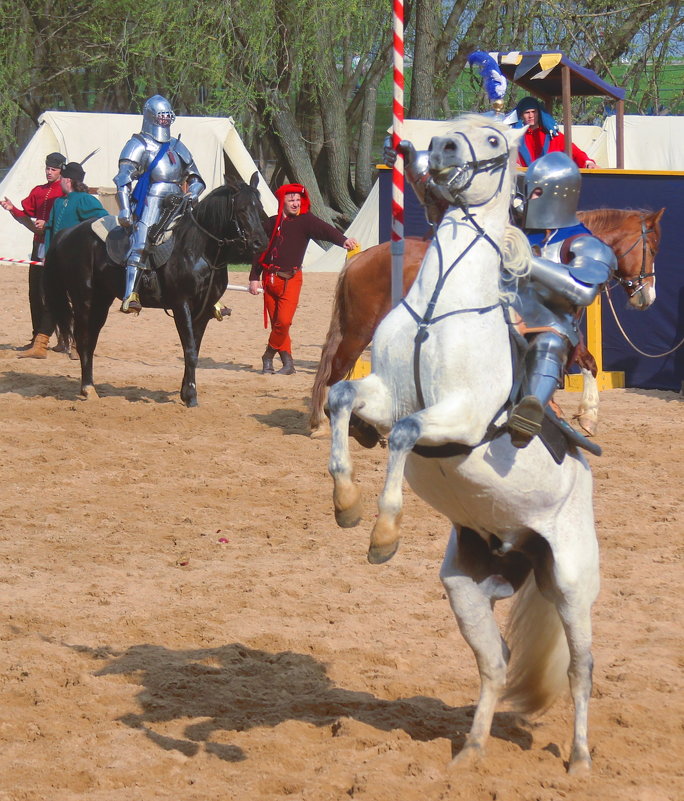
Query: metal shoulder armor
[134,150]
[130,162]
[592,260]
[183,154]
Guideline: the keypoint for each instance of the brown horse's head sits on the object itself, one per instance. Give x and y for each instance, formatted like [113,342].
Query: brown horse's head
[634,235]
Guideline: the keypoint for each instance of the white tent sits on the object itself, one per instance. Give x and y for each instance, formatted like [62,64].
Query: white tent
[651,143]
[75,134]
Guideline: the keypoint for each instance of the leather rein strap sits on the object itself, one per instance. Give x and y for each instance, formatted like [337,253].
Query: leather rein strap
[428,319]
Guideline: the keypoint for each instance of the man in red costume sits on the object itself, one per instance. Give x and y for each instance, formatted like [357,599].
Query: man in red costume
[543,136]
[34,212]
[279,268]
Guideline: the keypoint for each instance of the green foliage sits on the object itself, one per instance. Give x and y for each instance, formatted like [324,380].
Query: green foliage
[255,60]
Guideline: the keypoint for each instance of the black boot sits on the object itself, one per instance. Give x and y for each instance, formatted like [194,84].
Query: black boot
[267,360]
[288,363]
[525,421]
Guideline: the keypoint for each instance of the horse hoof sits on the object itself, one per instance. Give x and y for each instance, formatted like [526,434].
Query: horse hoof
[467,757]
[580,765]
[379,554]
[347,504]
[320,432]
[588,424]
[348,518]
[384,539]
[89,392]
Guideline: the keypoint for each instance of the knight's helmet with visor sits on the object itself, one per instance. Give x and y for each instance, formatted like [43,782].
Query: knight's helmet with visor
[558,180]
[157,118]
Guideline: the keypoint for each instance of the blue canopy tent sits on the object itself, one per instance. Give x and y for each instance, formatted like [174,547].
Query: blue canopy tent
[549,75]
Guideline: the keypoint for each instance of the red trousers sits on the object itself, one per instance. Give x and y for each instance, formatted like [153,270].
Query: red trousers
[281,297]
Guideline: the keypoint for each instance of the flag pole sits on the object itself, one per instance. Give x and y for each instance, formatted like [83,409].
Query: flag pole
[397,238]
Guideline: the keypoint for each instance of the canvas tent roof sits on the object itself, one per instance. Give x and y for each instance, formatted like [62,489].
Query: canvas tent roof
[75,134]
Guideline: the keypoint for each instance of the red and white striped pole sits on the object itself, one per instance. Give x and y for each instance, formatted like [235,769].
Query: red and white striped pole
[397,239]
[21,261]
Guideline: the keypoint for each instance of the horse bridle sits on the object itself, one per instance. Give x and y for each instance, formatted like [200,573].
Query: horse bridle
[633,285]
[477,166]
[232,217]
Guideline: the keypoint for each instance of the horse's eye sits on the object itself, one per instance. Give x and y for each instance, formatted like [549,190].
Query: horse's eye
[493,140]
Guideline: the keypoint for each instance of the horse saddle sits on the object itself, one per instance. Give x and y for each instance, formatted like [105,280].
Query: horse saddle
[117,240]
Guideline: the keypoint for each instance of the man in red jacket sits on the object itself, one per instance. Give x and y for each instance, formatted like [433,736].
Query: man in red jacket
[34,212]
[543,136]
[279,268]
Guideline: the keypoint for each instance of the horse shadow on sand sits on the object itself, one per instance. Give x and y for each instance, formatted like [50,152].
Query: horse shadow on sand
[290,421]
[30,385]
[236,688]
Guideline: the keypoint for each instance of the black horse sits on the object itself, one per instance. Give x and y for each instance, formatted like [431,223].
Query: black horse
[81,281]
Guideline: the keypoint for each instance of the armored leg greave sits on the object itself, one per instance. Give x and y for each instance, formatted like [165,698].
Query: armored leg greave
[547,360]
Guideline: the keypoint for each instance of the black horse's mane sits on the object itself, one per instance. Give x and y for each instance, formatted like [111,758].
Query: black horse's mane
[214,214]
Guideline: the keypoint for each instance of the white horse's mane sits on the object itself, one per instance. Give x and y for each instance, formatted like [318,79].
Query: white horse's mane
[517,261]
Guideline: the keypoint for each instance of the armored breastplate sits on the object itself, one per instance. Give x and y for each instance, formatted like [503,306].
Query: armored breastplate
[169,169]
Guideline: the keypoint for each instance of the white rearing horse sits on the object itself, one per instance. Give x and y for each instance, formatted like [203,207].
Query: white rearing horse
[442,372]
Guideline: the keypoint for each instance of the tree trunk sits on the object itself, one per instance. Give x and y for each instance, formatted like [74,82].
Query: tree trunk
[364,169]
[333,116]
[422,106]
[290,143]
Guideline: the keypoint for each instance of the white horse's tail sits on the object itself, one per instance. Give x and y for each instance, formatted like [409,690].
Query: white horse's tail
[538,668]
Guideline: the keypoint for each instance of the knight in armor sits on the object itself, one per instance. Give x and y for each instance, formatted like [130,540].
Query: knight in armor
[161,165]
[568,270]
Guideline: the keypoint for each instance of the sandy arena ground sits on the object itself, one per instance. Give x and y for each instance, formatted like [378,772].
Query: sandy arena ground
[182,619]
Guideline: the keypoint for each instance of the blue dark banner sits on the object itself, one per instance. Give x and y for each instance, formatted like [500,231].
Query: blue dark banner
[652,331]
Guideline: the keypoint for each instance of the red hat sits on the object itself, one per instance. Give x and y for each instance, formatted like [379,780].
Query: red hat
[289,189]
[281,191]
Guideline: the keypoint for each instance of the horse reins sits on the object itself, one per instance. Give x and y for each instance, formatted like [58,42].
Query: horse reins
[636,285]
[427,319]
[232,217]
[477,166]
[241,238]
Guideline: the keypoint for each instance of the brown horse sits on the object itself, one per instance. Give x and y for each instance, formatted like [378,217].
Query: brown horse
[363,297]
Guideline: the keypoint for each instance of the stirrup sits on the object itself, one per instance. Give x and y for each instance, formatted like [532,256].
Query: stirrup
[525,421]
[220,312]
[131,304]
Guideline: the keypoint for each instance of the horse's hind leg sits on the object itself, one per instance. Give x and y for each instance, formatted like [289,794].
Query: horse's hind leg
[472,593]
[344,398]
[574,587]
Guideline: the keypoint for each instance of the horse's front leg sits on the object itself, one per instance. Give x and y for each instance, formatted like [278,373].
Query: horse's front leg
[456,419]
[384,539]
[184,325]
[88,322]
[345,397]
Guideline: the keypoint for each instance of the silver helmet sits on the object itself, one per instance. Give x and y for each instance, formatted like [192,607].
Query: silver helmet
[157,118]
[551,192]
